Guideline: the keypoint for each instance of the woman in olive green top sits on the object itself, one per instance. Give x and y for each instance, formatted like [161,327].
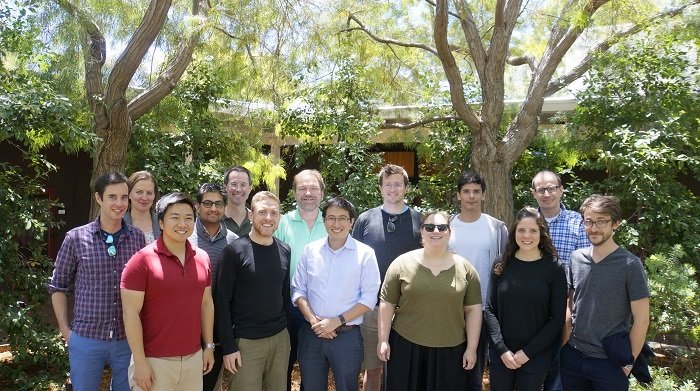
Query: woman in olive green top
[434,299]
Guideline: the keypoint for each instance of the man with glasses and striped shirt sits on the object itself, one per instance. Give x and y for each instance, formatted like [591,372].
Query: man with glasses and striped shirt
[89,265]
[567,233]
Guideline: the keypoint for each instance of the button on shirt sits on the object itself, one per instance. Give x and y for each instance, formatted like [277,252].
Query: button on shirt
[568,234]
[83,261]
[333,281]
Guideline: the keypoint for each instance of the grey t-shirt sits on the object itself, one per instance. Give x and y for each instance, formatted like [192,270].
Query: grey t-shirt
[602,295]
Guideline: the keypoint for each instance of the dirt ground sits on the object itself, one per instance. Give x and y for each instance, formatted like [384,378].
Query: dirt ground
[6,357]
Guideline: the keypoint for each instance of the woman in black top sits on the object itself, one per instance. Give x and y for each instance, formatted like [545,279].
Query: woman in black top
[526,306]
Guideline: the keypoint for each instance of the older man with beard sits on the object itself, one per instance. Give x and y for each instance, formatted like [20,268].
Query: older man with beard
[298,228]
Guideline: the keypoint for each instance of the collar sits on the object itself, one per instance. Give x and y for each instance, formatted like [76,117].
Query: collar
[297,217]
[95,227]
[405,208]
[160,248]
[202,231]
[562,212]
[349,244]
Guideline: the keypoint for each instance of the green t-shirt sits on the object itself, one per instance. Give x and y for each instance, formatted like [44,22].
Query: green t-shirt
[430,309]
[294,231]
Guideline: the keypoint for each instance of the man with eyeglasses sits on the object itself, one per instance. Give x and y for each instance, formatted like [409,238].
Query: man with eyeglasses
[336,282]
[481,239]
[391,229]
[567,233]
[90,263]
[211,235]
[253,302]
[237,182]
[298,228]
[609,304]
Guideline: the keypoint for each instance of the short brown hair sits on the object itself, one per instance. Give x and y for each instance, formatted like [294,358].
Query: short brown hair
[313,173]
[262,195]
[391,169]
[605,204]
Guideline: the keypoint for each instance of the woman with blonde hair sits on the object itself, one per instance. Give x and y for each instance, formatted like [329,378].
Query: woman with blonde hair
[143,191]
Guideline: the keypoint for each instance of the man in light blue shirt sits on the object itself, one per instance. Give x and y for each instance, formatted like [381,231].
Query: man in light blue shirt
[336,282]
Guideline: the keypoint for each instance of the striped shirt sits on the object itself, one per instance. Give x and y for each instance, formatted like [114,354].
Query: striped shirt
[568,234]
[212,245]
[84,267]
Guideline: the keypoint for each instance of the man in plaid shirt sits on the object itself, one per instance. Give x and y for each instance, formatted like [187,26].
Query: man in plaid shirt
[90,264]
[567,233]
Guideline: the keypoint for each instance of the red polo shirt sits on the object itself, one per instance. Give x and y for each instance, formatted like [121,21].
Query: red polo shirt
[171,312]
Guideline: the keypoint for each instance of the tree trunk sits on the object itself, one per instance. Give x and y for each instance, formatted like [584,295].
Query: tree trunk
[114,129]
[489,161]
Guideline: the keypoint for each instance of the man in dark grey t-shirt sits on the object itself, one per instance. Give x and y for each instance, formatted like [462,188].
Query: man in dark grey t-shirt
[391,229]
[608,294]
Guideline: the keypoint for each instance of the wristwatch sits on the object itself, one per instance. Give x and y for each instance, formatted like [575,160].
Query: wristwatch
[342,319]
[209,346]
[628,367]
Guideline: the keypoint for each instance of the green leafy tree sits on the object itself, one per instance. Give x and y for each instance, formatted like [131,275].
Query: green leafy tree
[184,143]
[639,120]
[476,43]
[338,123]
[33,117]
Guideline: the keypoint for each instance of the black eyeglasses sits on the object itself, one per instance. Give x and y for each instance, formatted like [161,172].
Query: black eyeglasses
[440,227]
[549,189]
[208,204]
[598,223]
[111,249]
[390,226]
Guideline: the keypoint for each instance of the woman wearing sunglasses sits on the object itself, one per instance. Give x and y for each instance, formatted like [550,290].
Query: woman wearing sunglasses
[526,306]
[434,299]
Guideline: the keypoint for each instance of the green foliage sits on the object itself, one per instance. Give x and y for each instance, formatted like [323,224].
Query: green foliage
[665,380]
[638,121]
[33,117]
[339,124]
[675,302]
[184,143]
[444,155]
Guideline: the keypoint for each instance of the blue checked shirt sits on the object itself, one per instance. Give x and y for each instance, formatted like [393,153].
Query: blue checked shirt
[83,261]
[568,234]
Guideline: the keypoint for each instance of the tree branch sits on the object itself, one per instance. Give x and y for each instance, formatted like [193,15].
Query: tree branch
[522,60]
[167,81]
[473,38]
[449,65]
[585,64]
[94,53]
[130,59]
[411,125]
[387,41]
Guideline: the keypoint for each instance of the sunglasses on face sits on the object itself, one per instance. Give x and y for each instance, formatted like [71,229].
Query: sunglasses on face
[440,227]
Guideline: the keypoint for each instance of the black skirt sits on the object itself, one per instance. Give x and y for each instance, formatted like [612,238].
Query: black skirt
[414,367]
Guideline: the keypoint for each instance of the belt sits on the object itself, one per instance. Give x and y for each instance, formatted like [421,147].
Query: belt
[346,328]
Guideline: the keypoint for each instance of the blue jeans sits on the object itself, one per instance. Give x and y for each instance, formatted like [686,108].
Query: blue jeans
[343,354]
[580,372]
[88,358]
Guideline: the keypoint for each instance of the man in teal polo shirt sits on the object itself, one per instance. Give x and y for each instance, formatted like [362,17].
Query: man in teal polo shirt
[298,228]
